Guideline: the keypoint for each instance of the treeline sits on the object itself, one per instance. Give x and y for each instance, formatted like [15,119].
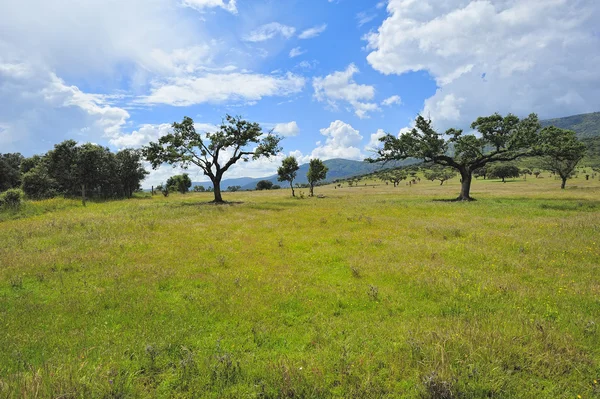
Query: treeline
[72,170]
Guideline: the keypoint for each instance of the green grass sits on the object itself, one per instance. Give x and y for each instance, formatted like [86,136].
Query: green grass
[369,292]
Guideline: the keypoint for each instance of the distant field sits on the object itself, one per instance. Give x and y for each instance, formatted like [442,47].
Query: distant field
[370,292]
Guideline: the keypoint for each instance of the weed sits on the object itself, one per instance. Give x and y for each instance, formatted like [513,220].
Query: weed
[373,293]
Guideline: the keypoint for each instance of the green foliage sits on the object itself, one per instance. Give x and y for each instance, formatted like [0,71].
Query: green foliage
[562,152]
[500,139]
[317,171]
[180,183]
[503,171]
[184,147]
[130,170]
[10,175]
[264,185]
[287,172]
[11,198]
[439,173]
[394,176]
[199,189]
[585,125]
[38,184]
[233,189]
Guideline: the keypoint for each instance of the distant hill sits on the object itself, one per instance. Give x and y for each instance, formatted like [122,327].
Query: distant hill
[338,169]
[585,125]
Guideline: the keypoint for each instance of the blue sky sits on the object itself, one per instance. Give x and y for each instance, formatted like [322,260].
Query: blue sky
[331,76]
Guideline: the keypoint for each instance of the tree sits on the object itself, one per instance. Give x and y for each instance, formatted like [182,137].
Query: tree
[394,176]
[38,184]
[234,188]
[480,172]
[264,185]
[184,146]
[199,189]
[10,171]
[287,172]
[130,170]
[439,173]
[537,173]
[502,139]
[503,171]
[317,171]
[524,172]
[181,183]
[562,152]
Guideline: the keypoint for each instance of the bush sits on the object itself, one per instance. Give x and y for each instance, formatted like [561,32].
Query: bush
[37,184]
[11,198]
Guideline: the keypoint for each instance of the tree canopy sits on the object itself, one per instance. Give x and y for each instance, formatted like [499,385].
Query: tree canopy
[562,152]
[287,172]
[317,171]
[214,153]
[499,139]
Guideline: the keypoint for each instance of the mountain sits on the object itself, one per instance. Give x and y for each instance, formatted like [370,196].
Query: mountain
[338,169]
[585,125]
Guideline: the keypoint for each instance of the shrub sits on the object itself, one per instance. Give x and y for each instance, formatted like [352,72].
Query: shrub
[11,198]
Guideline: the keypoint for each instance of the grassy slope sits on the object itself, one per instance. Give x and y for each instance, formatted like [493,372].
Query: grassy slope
[364,293]
[586,125]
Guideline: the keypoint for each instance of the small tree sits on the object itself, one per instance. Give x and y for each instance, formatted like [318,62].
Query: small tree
[199,189]
[185,146]
[562,152]
[233,188]
[287,172]
[181,183]
[537,173]
[11,198]
[439,173]
[130,170]
[38,184]
[501,139]
[524,172]
[317,171]
[503,171]
[264,185]
[394,176]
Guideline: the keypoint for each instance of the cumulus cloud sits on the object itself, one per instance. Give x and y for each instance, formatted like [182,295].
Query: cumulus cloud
[494,55]
[342,141]
[269,31]
[313,32]
[289,129]
[374,142]
[217,88]
[37,103]
[340,86]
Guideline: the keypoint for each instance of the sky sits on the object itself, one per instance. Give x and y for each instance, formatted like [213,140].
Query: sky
[331,76]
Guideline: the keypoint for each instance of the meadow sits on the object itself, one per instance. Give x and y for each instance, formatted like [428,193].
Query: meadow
[370,292]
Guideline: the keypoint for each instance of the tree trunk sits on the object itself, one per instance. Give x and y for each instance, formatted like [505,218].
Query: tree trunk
[83,194]
[503,181]
[217,190]
[465,189]
[441,182]
[311,190]
[292,187]
[564,183]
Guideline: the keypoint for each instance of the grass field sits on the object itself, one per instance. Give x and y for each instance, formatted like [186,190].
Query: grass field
[369,292]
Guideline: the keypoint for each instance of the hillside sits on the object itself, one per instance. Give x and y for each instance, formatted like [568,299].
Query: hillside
[585,125]
[338,169]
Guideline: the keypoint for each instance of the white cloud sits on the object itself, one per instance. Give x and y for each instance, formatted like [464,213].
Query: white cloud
[342,141]
[364,17]
[269,31]
[374,142]
[312,32]
[340,86]
[296,51]
[494,55]
[392,100]
[204,4]
[217,88]
[37,104]
[287,129]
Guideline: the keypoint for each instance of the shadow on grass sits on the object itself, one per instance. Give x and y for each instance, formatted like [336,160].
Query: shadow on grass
[211,203]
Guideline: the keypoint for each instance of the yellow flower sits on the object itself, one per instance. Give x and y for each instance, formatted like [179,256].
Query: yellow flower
[579,396]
